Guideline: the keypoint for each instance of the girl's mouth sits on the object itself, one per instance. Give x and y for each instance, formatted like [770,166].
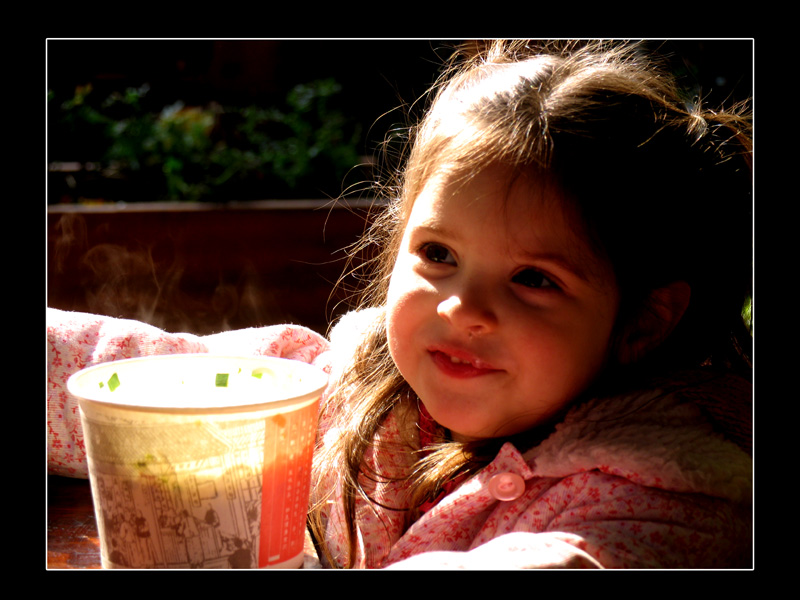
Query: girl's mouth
[460,365]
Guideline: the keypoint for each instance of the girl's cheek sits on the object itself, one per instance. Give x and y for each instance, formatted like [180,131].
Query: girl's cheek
[404,279]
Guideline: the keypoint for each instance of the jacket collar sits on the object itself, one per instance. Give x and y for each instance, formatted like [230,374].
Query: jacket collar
[657,438]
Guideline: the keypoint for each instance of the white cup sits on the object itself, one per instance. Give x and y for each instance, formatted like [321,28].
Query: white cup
[198,460]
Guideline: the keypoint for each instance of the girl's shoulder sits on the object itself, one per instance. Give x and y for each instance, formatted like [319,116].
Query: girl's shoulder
[349,330]
[724,398]
[688,432]
[346,337]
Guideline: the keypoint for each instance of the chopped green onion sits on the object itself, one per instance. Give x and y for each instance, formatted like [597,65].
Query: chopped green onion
[221,380]
[113,383]
[259,372]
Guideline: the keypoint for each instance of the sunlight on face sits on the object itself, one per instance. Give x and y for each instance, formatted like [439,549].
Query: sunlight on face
[498,315]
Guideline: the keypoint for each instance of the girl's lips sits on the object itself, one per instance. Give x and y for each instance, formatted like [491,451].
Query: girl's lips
[460,364]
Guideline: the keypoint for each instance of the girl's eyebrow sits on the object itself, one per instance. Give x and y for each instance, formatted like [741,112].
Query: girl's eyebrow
[434,227]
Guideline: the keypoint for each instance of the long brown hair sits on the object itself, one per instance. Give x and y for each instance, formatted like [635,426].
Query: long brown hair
[661,186]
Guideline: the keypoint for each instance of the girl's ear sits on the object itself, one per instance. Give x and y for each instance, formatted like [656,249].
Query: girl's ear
[659,315]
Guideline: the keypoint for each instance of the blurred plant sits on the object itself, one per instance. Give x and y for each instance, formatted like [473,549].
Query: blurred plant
[747,314]
[307,139]
[212,153]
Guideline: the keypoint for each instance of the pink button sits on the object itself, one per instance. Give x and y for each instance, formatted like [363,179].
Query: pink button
[506,486]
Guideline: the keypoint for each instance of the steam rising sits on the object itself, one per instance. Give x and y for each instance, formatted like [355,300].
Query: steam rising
[149,283]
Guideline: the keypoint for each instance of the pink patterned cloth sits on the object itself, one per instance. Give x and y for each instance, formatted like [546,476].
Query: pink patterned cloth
[616,498]
[640,481]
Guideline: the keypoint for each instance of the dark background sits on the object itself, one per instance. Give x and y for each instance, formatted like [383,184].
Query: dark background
[204,271]
[376,74]
[379,78]
[373,72]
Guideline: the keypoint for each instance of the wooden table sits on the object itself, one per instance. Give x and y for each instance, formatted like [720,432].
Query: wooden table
[72,541]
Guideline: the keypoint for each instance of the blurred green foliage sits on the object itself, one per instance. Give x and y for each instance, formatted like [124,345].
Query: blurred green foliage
[747,314]
[303,148]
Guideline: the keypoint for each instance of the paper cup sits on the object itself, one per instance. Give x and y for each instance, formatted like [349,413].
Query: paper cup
[200,461]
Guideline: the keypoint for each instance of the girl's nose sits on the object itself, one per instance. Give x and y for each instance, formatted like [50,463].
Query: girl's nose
[470,317]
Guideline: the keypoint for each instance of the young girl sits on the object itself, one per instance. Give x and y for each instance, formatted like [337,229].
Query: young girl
[569,239]
[544,370]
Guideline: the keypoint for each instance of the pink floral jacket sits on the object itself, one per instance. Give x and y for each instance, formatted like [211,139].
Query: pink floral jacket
[660,479]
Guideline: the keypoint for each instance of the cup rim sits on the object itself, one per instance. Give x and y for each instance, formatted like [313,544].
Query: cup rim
[314,382]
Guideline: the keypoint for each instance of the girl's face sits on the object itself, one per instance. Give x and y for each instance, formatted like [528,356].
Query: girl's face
[498,313]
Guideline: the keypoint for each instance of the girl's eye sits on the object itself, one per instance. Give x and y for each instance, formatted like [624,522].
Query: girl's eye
[533,279]
[436,253]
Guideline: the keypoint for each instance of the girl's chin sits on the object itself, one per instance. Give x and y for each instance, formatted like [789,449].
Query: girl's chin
[459,431]
[464,430]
